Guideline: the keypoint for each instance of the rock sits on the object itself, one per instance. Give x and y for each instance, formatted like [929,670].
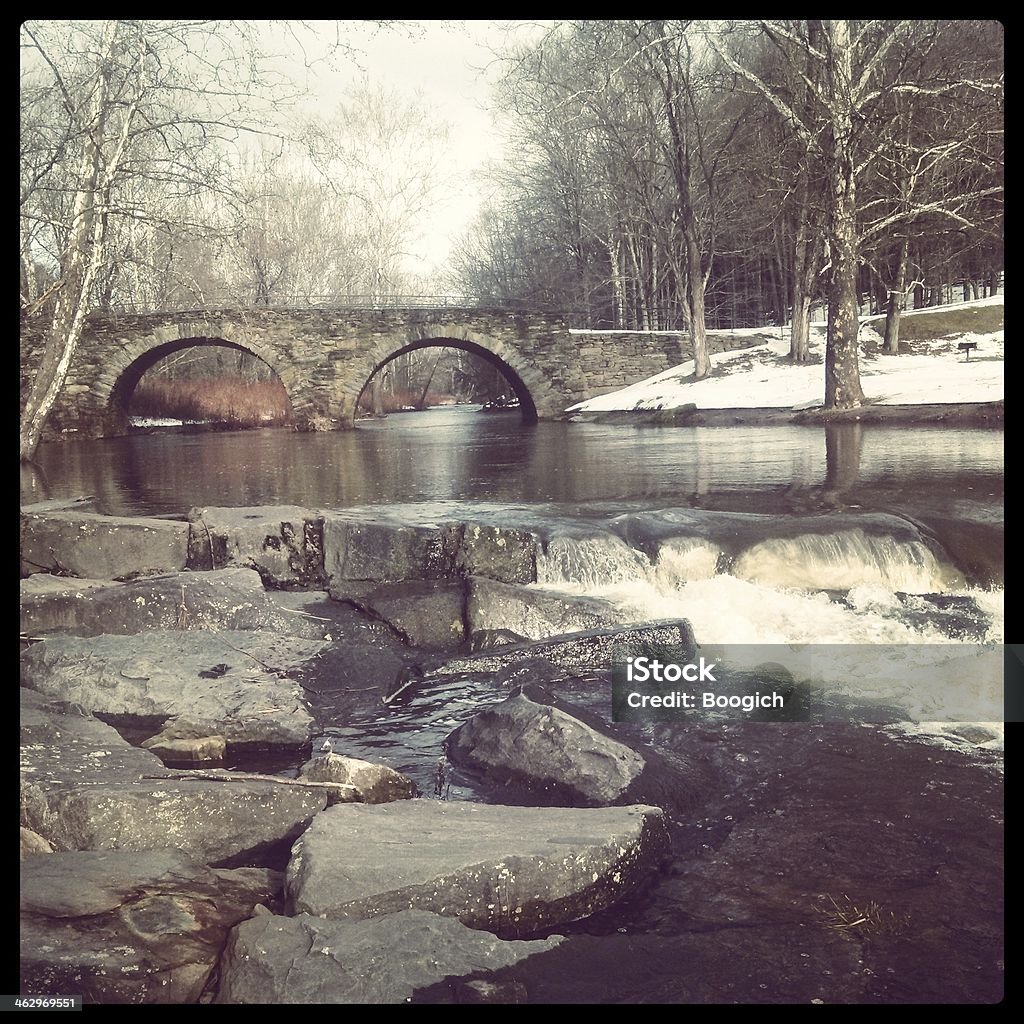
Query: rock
[386,552]
[119,927]
[503,553]
[32,843]
[427,613]
[532,612]
[219,600]
[186,684]
[547,749]
[56,603]
[396,550]
[304,959]
[101,547]
[364,781]
[85,503]
[583,651]
[510,870]
[204,748]
[85,788]
[283,543]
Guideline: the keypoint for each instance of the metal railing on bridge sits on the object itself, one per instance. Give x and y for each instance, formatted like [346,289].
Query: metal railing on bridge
[383,302]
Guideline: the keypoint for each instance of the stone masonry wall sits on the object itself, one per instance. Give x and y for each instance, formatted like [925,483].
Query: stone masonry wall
[325,357]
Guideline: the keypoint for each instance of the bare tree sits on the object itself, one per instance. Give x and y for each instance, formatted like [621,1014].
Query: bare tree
[855,76]
[127,101]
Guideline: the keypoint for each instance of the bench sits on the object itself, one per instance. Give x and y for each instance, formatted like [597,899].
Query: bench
[966,346]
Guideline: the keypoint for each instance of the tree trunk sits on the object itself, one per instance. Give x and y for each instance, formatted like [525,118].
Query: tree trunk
[695,304]
[81,262]
[896,298]
[842,372]
[803,283]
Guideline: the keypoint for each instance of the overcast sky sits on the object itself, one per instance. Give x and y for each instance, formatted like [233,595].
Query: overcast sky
[452,65]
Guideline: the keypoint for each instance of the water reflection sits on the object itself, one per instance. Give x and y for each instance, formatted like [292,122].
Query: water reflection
[844,443]
[460,454]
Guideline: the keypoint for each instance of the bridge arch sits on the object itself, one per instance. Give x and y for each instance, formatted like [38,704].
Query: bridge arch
[122,374]
[124,386]
[530,386]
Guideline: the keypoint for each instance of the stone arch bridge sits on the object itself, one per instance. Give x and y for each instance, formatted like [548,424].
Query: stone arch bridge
[325,357]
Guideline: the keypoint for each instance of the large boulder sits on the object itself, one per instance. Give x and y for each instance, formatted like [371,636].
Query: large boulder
[219,600]
[532,612]
[429,614]
[283,543]
[101,547]
[186,685]
[139,927]
[357,780]
[510,870]
[303,959]
[547,749]
[85,788]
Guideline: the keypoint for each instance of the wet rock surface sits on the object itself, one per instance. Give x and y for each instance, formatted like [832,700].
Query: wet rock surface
[306,959]
[531,612]
[547,749]
[511,870]
[580,651]
[83,787]
[184,684]
[226,599]
[139,927]
[283,543]
[100,547]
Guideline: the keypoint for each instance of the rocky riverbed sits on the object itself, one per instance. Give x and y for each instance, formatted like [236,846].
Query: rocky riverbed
[195,827]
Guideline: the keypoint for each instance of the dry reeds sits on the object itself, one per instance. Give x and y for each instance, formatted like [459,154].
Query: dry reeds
[214,400]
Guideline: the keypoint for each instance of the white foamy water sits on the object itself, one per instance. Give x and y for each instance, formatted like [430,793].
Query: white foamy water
[591,562]
[848,558]
[935,677]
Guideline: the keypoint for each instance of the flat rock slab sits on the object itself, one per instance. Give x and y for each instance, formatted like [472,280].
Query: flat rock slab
[283,543]
[532,612]
[586,650]
[306,959]
[510,870]
[185,684]
[547,749]
[101,547]
[85,788]
[222,599]
[144,927]
[391,551]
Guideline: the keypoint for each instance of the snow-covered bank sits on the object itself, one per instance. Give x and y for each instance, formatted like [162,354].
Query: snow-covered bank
[762,377]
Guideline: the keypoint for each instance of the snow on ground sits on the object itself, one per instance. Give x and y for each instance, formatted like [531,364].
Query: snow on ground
[761,377]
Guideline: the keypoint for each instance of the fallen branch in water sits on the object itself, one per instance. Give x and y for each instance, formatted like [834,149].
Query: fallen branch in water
[212,776]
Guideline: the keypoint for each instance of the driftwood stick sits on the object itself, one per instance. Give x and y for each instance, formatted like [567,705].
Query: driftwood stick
[212,776]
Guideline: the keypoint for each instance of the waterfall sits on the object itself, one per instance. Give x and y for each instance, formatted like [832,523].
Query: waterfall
[846,559]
